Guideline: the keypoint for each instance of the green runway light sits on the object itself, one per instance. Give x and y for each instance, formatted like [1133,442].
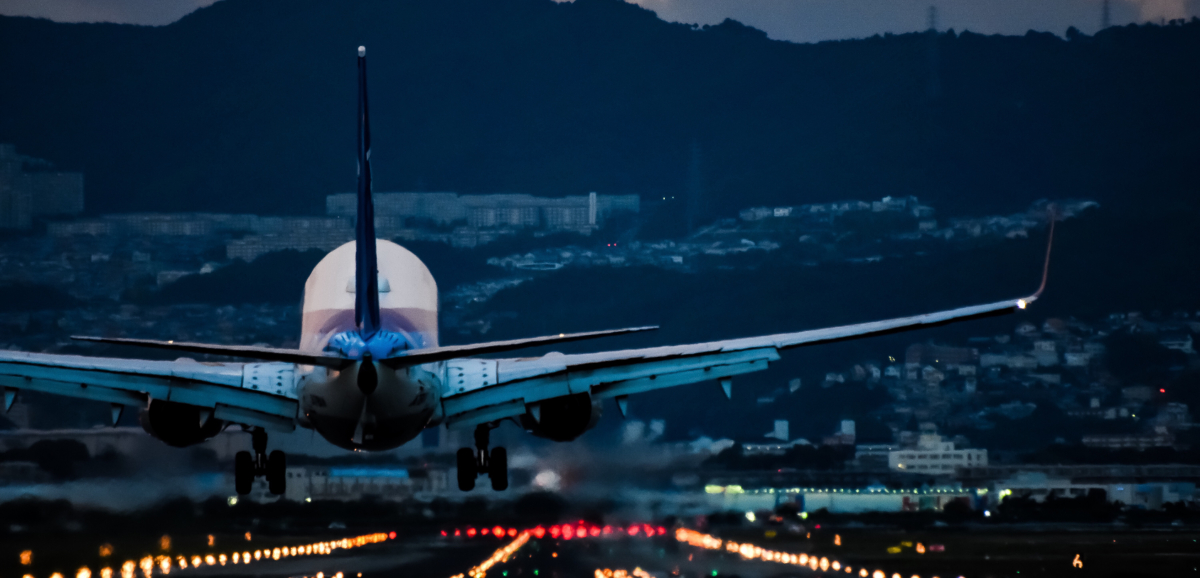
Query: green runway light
[714,572]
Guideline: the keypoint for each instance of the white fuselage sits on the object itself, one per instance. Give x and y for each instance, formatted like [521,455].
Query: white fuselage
[406,399]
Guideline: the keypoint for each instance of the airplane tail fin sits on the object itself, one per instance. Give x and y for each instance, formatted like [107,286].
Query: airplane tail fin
[366,274]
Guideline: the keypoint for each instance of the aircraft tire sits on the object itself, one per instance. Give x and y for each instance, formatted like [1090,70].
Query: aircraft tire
[466,469]
[243,472]
[498,469]
[277,472]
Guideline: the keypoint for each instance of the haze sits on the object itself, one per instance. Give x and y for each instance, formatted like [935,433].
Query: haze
[794,20]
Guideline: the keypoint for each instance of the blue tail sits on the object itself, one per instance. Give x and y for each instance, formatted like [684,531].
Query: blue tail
[366,274]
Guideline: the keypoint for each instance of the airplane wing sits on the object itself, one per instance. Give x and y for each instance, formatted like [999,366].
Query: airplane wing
[485,390]
[403,359]
[254,394]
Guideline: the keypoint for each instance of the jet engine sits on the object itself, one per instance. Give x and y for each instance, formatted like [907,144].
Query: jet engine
[562,419]
[179,425]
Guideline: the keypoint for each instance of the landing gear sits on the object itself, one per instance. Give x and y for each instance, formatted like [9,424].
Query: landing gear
[247,466]
[466,470]
[498,469]
[472,464]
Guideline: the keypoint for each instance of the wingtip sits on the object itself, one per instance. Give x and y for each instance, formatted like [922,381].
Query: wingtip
[1046,264]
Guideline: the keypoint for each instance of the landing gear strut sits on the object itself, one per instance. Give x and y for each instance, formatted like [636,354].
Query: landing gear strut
[247,466]
[472,464]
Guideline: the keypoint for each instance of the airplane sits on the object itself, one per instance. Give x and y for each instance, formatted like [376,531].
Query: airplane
[369,373]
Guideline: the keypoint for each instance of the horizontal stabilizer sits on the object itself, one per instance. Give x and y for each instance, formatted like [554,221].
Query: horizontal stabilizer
[432,354]
[248,351]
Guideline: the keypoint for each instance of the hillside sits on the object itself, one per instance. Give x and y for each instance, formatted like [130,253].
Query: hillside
[249,106]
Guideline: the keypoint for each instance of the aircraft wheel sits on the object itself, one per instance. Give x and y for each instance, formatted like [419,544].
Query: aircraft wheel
[498,469]
[277,473]
[466,469]
[243,472]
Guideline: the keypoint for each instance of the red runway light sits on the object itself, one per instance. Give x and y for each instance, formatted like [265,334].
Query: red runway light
[539,532]
[581,532]
[458,532]
[471,532]
[662,531]
[633,530]
[498,531]
[568,531]
[444,534]
[648,529]
[392,535]
[512,532]
[594,531]
[607,530]
[484,532]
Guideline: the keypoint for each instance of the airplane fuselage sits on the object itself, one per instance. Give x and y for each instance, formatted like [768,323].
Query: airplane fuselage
[370,407]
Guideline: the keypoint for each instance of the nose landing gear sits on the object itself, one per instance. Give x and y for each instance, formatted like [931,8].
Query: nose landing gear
[472,464]
[247,466]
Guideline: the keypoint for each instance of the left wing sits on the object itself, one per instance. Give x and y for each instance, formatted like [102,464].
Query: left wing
[484,390]
[254,394]
[517,386]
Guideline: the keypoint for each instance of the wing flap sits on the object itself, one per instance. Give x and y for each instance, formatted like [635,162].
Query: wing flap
[74,389]
[132,382]
[512,397]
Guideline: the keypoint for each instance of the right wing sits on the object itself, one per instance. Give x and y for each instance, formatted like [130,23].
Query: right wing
[254,394]
[516,386]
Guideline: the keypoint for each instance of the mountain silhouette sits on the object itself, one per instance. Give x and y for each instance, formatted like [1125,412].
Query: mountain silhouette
[248,105]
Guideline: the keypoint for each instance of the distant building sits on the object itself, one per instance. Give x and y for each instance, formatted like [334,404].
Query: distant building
[1159,438]
[352,483]
[845,435]
[837,500]
[28,190]
[1126,484]
[935,456]
[1177,340]
[493,211]
[780,432]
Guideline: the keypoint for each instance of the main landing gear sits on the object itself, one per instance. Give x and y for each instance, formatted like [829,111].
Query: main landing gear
[472,464]
[247,466]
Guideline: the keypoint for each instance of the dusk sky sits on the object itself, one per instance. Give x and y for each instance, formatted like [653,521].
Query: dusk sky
[795,20]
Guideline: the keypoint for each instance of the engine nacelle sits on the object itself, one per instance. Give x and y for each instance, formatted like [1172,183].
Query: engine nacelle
[563,418]
[178,425]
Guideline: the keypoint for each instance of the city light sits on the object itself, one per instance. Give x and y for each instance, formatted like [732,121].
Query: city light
[750,552]
[499,556]
[163,565]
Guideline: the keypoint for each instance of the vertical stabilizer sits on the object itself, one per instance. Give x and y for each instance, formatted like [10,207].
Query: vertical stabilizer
[366,274]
